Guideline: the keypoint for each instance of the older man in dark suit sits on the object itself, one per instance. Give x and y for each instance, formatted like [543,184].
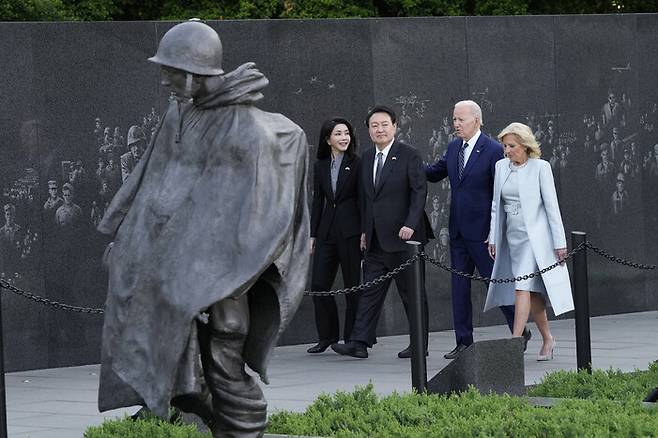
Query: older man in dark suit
[394,191]
[469,163]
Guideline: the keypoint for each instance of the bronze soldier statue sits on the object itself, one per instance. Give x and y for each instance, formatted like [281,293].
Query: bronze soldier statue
[213,221]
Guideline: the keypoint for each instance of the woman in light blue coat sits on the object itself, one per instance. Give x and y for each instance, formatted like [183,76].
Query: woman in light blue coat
[526,235]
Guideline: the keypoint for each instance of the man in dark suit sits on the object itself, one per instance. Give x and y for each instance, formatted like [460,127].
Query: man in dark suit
[469,163]
[393,199]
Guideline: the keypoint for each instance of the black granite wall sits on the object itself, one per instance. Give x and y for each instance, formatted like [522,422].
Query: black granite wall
[554,73]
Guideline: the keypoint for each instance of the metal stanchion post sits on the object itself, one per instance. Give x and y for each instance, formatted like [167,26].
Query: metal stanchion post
[581,303]
[3,400]
[417,334]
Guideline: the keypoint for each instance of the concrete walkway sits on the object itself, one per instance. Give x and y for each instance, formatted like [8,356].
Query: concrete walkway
[61,402]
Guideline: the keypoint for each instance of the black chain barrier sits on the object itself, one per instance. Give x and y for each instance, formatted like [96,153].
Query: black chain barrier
[47,301]
[389,275]
[570,254]
[621,261]
[364,286]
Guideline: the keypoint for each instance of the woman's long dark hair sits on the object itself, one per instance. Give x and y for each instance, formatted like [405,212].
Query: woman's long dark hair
[324,150]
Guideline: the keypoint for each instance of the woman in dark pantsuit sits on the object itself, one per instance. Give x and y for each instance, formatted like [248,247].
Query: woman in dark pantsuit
[335,228]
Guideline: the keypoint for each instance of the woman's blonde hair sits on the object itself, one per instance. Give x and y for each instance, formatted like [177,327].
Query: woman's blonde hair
[525,136]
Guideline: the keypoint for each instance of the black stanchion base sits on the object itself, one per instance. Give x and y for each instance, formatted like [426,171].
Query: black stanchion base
[495,365]
[652,397]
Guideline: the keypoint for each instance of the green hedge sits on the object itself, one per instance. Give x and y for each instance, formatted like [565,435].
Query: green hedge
[612,408]
[609,385]
[151,427]
[470,414]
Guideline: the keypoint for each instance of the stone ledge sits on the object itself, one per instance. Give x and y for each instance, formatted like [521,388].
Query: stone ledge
[547,402]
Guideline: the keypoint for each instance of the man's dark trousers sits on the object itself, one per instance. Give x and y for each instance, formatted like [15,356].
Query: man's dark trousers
[465,256]
[378,262]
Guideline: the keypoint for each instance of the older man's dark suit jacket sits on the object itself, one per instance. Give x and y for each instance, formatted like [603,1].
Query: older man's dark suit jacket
[399,200]
[470,201]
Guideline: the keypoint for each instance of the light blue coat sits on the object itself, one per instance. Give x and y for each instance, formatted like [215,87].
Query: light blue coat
[541,215]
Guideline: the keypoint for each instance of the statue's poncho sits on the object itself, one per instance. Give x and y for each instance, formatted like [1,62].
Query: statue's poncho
[218,198]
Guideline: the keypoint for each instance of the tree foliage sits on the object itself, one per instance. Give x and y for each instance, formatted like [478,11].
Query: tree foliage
[32,10]
[90,10]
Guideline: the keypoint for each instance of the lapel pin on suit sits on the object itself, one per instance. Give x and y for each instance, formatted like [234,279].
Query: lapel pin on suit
[347,168]
[394,158]
[477,150]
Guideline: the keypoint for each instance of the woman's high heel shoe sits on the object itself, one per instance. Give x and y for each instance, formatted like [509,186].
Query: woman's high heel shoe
[549,356]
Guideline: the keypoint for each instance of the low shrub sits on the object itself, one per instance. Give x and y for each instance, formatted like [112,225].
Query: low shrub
[611,408]
[151,427]
[609,385]
[470,414]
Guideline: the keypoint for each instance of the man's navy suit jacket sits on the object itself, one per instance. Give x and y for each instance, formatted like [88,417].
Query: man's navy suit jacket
[470,204]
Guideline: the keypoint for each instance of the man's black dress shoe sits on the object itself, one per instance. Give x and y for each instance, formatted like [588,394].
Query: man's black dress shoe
[454,353]
[320,347]
[352,348]
[527,334]
[406,353]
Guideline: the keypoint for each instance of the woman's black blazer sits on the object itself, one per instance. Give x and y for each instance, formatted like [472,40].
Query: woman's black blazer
[340,212]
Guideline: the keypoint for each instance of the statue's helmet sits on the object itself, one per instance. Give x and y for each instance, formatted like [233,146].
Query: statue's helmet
[193,47]
[135,134]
